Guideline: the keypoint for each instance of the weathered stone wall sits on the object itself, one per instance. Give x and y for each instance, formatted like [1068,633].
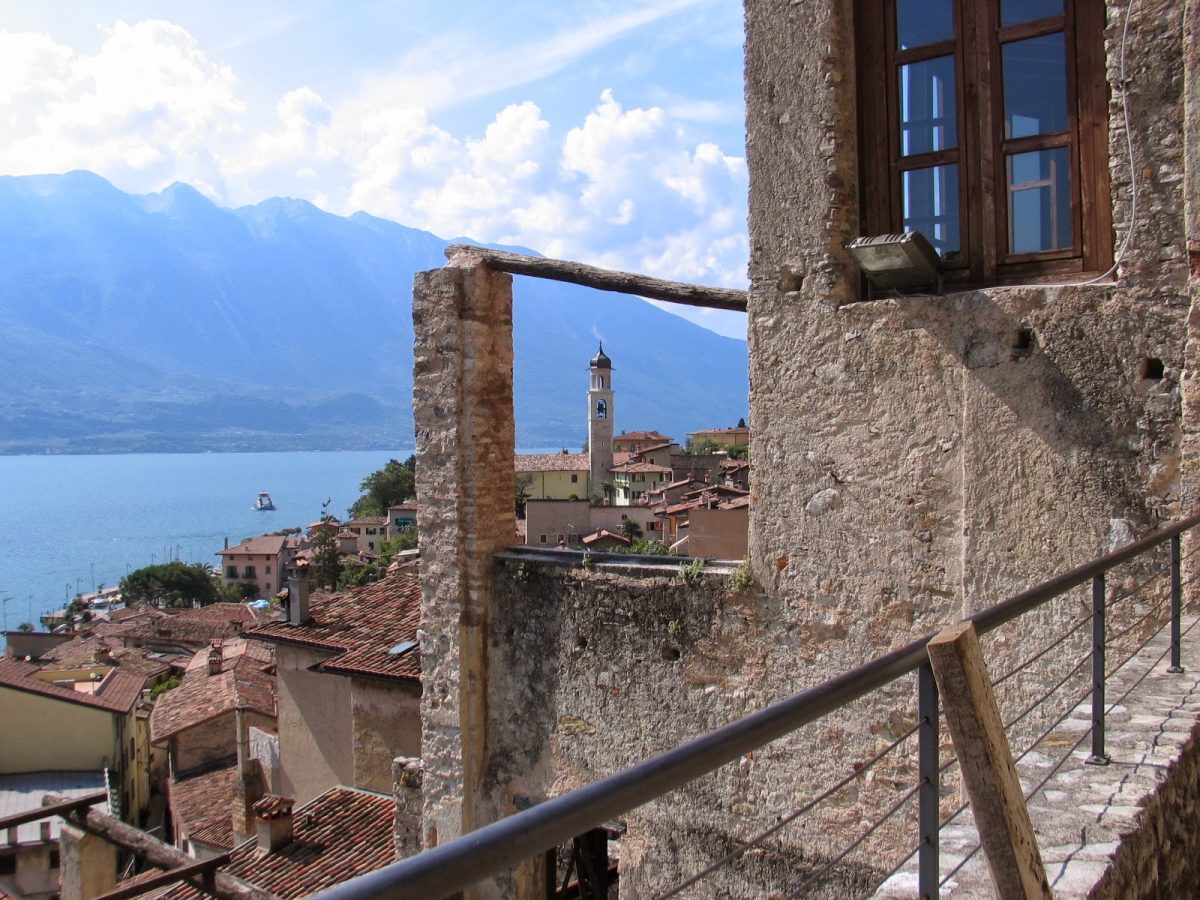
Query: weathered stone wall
[315,721]
[601,670]
[387,724]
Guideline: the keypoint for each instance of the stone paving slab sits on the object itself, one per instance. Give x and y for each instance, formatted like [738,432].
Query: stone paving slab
[1083,810]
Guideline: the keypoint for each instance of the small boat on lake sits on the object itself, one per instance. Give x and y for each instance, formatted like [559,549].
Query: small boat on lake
[264,502]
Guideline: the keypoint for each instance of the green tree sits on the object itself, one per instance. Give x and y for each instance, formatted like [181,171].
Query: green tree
[737,451]
[701,448]
[25,627]
[523,496]
[650,548]
[326,562]
[630,529]
[741,423]
[394,483]
[174,583]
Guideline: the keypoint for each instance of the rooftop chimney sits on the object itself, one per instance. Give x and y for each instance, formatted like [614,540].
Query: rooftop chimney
[298,593]
[215,657]
[273,822]
[248,787]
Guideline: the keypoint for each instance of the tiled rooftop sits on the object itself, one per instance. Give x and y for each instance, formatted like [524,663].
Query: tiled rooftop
[552,462]
[264,544]
[197,626]
[84,651]
[640,467]
[203,805]
[118,692]
[361,625]
[643,436]
[243,683]
[341,834]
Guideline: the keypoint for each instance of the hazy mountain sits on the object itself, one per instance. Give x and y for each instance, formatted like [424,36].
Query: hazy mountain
[165,322]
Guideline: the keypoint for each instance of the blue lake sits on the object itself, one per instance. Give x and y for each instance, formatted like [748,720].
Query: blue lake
[73,522]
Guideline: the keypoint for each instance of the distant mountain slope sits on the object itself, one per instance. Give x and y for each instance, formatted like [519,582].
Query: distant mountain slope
[165,322]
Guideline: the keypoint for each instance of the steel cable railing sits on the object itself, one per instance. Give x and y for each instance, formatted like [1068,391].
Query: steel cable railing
[495,847]
[757,840]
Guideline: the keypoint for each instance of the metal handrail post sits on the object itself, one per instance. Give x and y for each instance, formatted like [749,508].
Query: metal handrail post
[929,818]
[1098,757]
[1176,604]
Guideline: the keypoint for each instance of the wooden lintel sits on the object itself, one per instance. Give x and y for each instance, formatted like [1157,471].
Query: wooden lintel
[997,803]
[153,851]
[602,279]
[199,867]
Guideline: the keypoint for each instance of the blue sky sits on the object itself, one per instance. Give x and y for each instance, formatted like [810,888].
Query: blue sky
[608,131]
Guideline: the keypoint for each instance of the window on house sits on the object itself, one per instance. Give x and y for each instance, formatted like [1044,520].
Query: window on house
[231,572]
[268,570]
[983,125]
[574,479]
[248,572]
[543,539]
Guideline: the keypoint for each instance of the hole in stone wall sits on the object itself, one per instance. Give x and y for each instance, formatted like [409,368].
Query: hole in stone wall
[1152,368]
[1024,343]
[670,654]
[580,642]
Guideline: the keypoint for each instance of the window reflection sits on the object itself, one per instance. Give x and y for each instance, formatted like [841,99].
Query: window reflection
[927,106]
[1039,201]
[930,203]
[1035,86]
[922,22]
[1014,11]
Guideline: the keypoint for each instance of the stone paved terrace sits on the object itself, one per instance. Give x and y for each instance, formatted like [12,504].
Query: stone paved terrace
[1084,811]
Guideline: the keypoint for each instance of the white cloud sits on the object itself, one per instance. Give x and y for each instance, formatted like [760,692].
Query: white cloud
[616,186]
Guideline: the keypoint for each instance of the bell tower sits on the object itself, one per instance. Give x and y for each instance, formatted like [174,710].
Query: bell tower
[600,423]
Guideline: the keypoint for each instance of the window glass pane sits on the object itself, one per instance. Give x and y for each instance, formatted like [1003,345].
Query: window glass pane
[1039,201]
[1014,11]
[921,22]
[1035,86]
[927,106]
[930,203]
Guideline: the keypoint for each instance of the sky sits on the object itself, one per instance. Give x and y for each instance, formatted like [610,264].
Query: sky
[604,131]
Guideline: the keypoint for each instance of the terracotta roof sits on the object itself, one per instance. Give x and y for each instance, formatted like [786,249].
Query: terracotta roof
[603,533]
[125,613]
[642,436]
[681,508]
[733,465]
[653,447]
[82,651]
[200,625]
[718,489]
[203,805]
[668,487]
[552,462]
[118,692]
[340,834]
[361,625]
[407,504]
[368,520]
[639,467]
[242,683]
[264,544]
[735,503]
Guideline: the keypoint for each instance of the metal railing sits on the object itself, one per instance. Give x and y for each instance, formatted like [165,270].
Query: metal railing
[450,867]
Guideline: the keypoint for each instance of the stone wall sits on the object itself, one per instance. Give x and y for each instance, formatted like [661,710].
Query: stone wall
[387,724]
[315,723]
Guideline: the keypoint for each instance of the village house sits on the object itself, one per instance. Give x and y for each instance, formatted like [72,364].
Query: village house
[205,724]
[79,719]
[256,564]
[724,438]
[638,441]
[401,516]
[369,532]
[348,681]
[554,476]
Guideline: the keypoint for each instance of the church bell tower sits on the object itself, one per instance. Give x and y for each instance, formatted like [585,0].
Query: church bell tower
[600,423]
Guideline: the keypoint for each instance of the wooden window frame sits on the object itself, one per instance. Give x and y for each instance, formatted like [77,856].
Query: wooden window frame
[982,151]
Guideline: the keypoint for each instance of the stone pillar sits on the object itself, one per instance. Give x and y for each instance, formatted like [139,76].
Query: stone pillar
[466,485]
[1190,377]
[406,788]
[87,864]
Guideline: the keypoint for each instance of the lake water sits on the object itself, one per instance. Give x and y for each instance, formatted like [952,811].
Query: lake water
[68,523]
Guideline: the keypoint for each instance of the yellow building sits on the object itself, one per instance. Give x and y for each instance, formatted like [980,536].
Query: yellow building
[722,437]
[78,720]
[553,476]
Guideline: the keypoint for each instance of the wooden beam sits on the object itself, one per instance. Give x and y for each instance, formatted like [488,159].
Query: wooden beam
[155,852]
[56,809]
[602,279]
[997,803]
[199,867]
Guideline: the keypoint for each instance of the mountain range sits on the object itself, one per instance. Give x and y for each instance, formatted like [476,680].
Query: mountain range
[164,322]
